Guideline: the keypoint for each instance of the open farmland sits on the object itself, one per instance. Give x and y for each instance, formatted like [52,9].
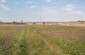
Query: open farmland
[42,40]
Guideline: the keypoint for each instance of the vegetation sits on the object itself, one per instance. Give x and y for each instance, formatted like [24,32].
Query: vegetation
[42,40]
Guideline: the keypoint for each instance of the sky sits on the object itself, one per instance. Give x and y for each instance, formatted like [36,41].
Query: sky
[42,10]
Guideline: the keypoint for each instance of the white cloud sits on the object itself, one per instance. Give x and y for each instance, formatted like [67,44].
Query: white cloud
[49,11]
[49,1]
[69,7]
[69,14]
[33,6]
[2,1]
[72,12]
[4,7]
[79,12]
[30,2]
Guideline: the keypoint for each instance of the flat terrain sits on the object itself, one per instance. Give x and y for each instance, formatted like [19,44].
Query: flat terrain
[73,24]
[42,40]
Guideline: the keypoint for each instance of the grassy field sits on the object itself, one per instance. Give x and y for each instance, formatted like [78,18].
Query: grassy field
[42,40]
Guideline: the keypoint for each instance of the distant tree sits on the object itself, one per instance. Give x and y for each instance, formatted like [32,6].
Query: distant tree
[1,22]
[81,21]
[34,23]
[14,22]
[43,23]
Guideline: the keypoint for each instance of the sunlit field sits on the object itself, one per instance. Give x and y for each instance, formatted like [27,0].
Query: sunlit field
[42,40]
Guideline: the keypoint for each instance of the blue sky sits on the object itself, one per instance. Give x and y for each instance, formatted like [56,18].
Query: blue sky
[48,10]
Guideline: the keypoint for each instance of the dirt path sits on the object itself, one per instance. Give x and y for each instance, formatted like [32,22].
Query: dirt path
[47,44]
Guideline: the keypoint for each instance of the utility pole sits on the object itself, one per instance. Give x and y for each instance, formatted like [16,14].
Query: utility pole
[40,19]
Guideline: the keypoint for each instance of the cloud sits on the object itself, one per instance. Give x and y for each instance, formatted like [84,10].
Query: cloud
[49,1]
[33,6]
[69,7]
[2,1]
[80,12]
[3,6]
[49,11]
[72,12]
[30,2]
[69,13]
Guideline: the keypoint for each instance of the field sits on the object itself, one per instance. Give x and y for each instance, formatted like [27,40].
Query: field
[42,40]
